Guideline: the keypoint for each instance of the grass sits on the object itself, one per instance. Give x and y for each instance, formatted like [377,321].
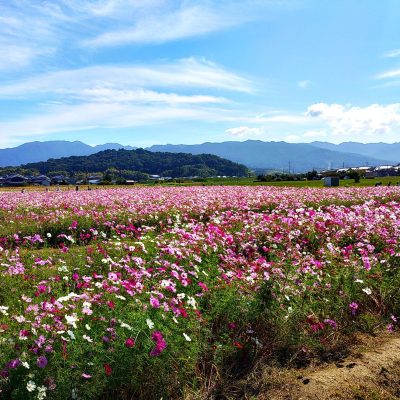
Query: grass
[393,180]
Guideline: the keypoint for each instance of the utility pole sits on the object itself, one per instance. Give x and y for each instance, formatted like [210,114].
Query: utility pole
[289,167]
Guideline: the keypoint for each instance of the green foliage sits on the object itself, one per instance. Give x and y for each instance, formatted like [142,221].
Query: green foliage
[134,164]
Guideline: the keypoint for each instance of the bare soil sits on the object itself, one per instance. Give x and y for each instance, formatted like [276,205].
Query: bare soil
[370,372]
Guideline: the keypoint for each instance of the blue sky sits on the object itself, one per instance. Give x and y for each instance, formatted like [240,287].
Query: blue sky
[144,72]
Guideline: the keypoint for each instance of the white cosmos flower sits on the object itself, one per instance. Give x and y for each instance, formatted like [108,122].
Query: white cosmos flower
[150,323]
[3,310]
[71,335]
[367,290]
[88,338]
[187,337]
[124,325]
[41,392]
[71,320]
[30,386]
[191,302]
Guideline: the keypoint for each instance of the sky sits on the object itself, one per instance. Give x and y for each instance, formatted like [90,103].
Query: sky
[143,72]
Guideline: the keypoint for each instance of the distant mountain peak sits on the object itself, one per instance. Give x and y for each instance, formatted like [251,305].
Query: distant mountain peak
[42,151]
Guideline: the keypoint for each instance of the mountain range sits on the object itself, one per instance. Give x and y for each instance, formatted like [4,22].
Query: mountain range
[388,151]
[277,155]
[41,151]
[257,154]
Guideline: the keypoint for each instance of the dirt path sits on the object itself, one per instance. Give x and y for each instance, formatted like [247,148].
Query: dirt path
[372,372]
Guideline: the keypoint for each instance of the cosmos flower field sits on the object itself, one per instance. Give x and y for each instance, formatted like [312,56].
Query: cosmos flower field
[151,292]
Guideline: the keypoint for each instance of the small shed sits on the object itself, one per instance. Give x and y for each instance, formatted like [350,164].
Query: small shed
[330,181]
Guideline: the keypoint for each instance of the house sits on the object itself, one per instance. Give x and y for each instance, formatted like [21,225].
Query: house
[41,180]
[386,170]
[370,174]
[59,180]
[94,179]
[15,180]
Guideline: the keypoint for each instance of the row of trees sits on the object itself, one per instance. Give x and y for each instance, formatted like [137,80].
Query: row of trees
[309,176]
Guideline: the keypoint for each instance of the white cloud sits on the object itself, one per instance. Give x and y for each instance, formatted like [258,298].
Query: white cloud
[304,84]
[392,53]
[168,21]
[24,35]
[121,97]
[394,73]
[187,73]
[292,138]
[107,95]
[68,118]
[66,24]
[244,132]
[367,121]
[287,119]
[15,56]
[314,134]
[182,23]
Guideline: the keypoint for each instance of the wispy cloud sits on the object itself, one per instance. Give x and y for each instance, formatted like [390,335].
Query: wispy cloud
[122,96]
[244,132]
[17,48]
[17,56]
[108,95]
[186,20]
[61,24]
[392,53]
[187,73]
[393,73]
[89,116]
[304,84]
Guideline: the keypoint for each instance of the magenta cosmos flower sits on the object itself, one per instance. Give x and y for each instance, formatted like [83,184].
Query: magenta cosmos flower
[161,344]
[353,307]
[42,362]
[129,343]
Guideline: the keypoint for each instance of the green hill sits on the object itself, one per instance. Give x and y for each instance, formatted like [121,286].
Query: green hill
[153,163]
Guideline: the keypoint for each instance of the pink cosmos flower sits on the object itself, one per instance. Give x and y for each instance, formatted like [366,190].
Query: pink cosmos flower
[203,286]
[155,303]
